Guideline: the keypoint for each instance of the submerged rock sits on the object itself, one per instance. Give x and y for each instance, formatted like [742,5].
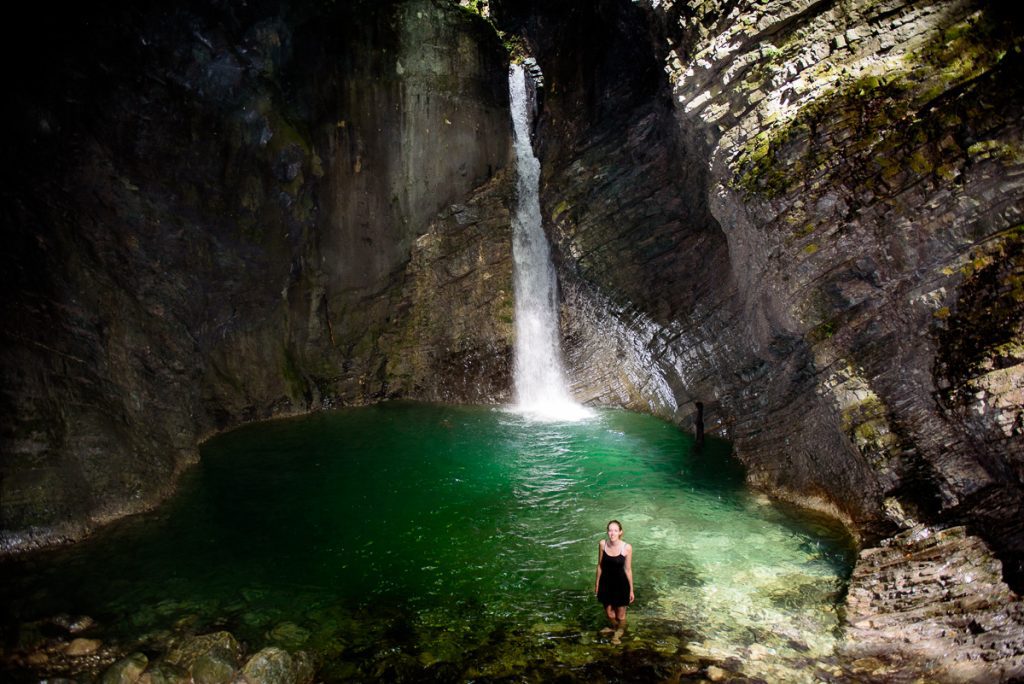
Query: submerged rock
[191,650]
[81,647]
[216,666]
[275,666]
[166,673]
[289,635]
[127,670]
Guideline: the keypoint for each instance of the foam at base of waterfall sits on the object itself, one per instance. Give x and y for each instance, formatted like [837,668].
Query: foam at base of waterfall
[554,411]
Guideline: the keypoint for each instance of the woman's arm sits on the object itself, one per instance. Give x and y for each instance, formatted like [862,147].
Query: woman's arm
[600,554]
[629,571]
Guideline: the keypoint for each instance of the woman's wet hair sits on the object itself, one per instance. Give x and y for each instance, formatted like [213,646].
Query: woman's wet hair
[614,522]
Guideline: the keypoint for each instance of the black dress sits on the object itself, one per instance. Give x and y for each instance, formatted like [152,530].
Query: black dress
[613,587]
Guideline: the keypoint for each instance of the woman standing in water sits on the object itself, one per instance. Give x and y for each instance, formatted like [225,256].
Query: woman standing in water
[614,583]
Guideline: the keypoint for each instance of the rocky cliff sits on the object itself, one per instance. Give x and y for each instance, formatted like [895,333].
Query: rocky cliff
[213,215]
[807,217]
[797,225]
[803,214]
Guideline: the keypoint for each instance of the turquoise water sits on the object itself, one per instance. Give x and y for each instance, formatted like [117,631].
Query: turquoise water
[406,536]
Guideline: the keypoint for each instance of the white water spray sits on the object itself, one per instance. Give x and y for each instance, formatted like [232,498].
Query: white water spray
[540,381]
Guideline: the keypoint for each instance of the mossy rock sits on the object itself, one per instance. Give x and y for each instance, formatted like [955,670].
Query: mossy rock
[273,665]
[187,653]
[127,670]
[216,666]
[166,673]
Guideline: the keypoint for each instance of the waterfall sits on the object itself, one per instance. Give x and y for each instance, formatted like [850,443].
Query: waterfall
[541,388]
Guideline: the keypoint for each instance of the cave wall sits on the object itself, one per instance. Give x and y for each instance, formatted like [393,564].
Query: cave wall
[805,215]
[220,213]
[794,213]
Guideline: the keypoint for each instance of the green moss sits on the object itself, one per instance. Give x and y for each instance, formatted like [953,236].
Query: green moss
[516,47]
[996,149]
[920,163]
[560,209]
[963,51]
[810,249]
[866,411]
[822,332]
[767,166]
[284,134]
[884,123]
[292,375]
[474,6]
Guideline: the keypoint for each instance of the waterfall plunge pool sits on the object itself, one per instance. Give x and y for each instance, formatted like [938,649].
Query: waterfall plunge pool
[411,541]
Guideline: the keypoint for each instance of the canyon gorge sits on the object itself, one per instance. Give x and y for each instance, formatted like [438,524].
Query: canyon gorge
[805,217]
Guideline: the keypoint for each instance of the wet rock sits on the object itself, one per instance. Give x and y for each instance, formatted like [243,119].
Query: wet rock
[933,601]
[188,652]
[165,673]
[215,666]
[81,647]
[275,666]
[717,674]
[127,670]
[863,246]
[317,211]
[289,635]
[73,624]
[759,652]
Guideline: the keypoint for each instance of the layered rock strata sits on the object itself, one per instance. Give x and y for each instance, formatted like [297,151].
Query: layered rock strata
[793,228]
[807,217]
[942,592]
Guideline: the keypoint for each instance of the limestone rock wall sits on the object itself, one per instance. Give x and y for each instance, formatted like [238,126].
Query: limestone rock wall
[943,593]
[789,211]
[453,326]
[807,216]
[854,180]
[209,211]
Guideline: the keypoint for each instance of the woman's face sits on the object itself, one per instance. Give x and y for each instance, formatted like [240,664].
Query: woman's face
[614,532]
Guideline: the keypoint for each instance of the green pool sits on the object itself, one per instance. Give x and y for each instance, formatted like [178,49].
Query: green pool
[402,539]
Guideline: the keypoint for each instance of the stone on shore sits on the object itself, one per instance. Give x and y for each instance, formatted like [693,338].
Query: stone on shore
[81,647]
[273,665]
[127,670]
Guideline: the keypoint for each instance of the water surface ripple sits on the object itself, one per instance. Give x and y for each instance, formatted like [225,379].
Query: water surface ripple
[457,535]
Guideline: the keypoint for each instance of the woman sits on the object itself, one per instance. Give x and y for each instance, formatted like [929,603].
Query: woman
[614,584]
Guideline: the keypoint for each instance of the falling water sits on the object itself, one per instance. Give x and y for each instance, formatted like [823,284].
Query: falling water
[540,381]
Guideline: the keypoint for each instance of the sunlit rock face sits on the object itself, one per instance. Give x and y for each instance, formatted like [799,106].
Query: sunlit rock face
[867,173]
[806,216]
[209,214]
[790,212]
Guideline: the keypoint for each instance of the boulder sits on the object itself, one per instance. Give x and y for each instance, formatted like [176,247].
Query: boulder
[128,670]
[273,665]
[81,647]
[187,653]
